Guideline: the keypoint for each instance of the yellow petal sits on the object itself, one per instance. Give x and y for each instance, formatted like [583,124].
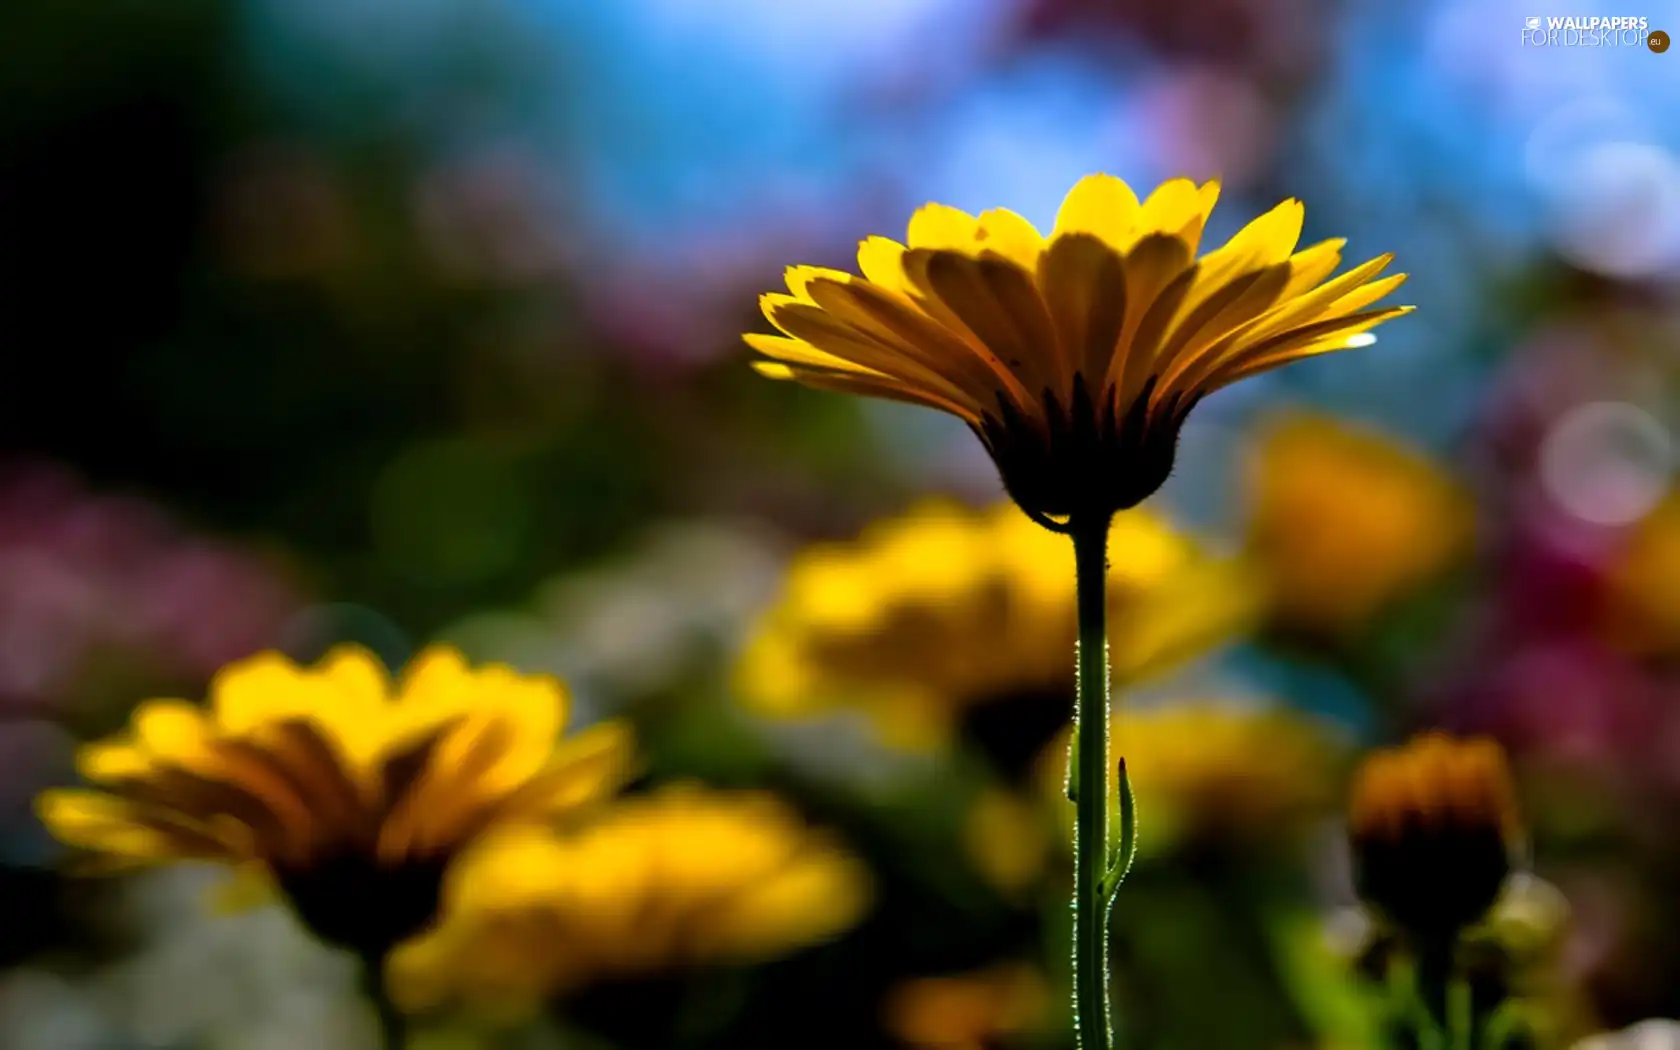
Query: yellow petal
[582,770]
[864,386]
[920,330]
[1101,205]
[1325,337]
[1011,236]
[805,902]
[1083,282]
[107,824]
[1365,295]
[1226,310]
[1171,206]
[1310,266]
[436,687]
[264,688]
[1207,195]
[881,261]
[359,676]
[941,226]
[913,362]
[108,760]
[998,302]
[173,730]
[1271,238]
[797,351]
[1311,306]
[1159,273]
[799,277]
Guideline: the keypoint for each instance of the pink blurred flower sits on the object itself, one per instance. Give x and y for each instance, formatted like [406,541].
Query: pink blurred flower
[1571,702]
[1279,41]
[1206,123]
[85,577]
[487,218]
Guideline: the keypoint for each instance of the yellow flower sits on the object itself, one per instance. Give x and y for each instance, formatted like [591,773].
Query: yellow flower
[1434,827]
[1642,610]
[932,615]
[1076,358]
[1344,520]
[1214,772]
[351,794]
[682,877]
[1007,839]
[977,1011]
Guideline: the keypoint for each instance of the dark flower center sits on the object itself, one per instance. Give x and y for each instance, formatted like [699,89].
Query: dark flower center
[350,900]
[1082,460]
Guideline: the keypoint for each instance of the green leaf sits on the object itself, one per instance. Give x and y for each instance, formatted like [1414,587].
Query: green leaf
[1125,850]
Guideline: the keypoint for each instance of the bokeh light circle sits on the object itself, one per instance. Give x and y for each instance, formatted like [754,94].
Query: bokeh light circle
[1606,462]
[1621,215]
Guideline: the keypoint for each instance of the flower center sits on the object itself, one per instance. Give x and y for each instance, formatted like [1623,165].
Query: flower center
[349,899]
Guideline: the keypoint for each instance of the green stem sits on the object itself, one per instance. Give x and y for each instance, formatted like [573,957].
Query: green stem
[1434,982]
[1460,1018]
[1090,835]
[392,1024]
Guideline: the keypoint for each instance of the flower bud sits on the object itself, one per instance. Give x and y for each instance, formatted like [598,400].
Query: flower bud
[1434,827]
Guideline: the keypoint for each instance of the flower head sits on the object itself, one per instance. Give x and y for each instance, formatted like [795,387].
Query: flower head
[1345,520]
[945,614]
[1434,827]
[1075,358]
[349,793]
[1209,772]
[683,877]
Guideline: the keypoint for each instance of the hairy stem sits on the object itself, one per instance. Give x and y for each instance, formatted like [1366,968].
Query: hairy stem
[1090,836]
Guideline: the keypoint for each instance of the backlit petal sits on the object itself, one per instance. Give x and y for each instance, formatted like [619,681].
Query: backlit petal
[1101,205]
[941,226]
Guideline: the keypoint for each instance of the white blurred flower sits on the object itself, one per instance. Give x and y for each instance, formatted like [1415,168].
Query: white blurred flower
[247,981]
[638,624]
[1646,1035]
[42,1011]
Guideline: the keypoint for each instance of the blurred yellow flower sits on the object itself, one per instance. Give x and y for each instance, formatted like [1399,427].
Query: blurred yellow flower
[1344,520]
[1074,359]
[945,609]
[681,877]
[976,1011]
[349,793]
[1434,827]
[1642,613]
[1007,839]
[1218,771]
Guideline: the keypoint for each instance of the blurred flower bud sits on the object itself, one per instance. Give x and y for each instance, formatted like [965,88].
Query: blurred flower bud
[1433,826]
[968,1012]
